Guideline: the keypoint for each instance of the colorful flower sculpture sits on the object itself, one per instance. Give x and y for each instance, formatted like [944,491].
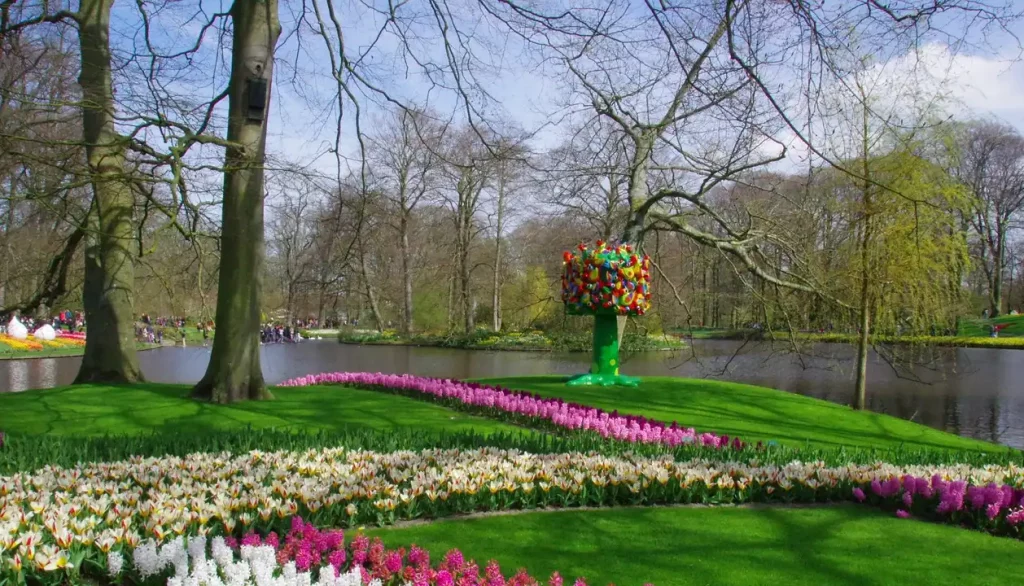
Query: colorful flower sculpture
[606,282]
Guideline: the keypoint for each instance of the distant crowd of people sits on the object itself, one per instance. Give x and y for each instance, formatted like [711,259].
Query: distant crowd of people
[72,321]
[151,329]
[277,334]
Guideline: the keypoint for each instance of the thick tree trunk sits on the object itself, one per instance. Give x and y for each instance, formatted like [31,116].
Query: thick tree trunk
[234,372]
[109,266]
[407,304]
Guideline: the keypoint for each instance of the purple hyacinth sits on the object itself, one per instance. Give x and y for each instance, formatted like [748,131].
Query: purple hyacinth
[570,416]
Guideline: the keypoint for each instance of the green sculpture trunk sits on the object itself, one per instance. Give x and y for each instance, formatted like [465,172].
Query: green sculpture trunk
[604,367]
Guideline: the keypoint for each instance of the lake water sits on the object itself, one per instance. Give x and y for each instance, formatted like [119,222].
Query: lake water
[971,392]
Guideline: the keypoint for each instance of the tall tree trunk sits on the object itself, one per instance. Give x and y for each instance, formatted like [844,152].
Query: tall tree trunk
[371,294]
[997,275]
[109,266]
[496,300]
[234,372]
[861,382]
[464,284]
[407,303]
[451,303]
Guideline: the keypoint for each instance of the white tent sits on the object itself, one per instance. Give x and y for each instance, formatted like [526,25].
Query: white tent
[45,332]
[16,329]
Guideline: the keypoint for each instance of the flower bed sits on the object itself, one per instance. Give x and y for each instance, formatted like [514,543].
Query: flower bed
[303,553]
[33,344]
[532,408]
[60,516]
[28,345]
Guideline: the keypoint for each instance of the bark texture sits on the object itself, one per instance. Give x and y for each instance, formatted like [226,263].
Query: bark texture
[234,372]
[108,291]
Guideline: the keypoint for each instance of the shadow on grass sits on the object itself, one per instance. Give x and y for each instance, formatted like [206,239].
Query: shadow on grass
[820,545]
[160,408]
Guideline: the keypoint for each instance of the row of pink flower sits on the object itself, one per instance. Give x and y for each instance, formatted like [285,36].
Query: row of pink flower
[572,416]
[71,335]
[309,548]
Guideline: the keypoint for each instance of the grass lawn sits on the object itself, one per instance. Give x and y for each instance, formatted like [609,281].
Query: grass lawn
[750,412]
[981,327]
[671,547]
[144,408]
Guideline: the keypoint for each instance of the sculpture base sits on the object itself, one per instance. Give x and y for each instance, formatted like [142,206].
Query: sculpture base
[603,380]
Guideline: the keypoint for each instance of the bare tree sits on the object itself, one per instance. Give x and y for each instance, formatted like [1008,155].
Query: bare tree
[466,168]
[508,164]
[405,164]
[293,233]
[991,164]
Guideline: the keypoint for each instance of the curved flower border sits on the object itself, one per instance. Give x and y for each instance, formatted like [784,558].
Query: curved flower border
[57,520]
[568,416]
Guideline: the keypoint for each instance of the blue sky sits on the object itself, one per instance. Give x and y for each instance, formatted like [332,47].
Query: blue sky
[982,81]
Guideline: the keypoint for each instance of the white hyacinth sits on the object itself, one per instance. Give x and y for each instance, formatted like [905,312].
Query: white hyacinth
[253,566]
[146,559]
[115,563]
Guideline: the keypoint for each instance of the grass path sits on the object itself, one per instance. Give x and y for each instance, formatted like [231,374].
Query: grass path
[750,412]
[149,407]
[680,546]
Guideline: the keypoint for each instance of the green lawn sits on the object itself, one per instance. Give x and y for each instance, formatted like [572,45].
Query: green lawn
[144,408]
[842,544]
[981,327]
[750,412]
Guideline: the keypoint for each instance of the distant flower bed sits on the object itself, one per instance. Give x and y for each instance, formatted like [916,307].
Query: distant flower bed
[27,345]
[33,344]
[533,408]
[56,523]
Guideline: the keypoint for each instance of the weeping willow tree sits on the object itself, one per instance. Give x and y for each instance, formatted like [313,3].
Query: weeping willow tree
[907,250]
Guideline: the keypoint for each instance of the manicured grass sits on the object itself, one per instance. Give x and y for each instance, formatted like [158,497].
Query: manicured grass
[982,327]
[977,337]
[843,544]
[750,412]
[147,408]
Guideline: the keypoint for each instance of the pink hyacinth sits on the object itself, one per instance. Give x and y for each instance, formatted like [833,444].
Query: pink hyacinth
[570,416]
[859,494]
[992,511]
[908,500]
[902,514]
